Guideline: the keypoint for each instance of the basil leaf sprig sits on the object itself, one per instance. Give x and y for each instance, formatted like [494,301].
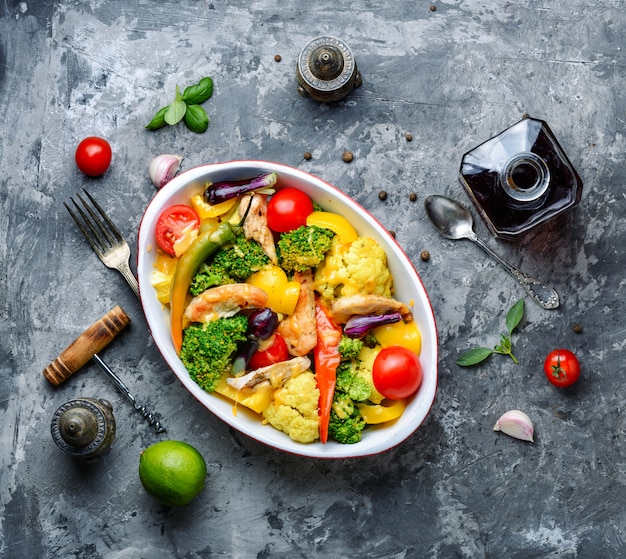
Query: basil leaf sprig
[186,105]
[505,347]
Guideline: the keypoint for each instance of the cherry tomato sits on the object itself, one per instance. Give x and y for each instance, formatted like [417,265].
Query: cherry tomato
[561,368]
[275,353]
[93,156]
[397,372]
[288,209]
[175,225]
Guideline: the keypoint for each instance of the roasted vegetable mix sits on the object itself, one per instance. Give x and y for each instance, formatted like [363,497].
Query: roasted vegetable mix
[283,308]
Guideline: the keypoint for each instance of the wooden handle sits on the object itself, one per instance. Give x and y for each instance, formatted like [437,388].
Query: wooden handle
[95,338]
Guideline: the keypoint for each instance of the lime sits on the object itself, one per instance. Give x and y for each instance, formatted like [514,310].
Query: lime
[173,472]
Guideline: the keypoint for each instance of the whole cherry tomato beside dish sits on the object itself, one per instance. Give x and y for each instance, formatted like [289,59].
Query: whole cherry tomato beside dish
[93,156]
[288,209]
[397,372]
[562,368]
[176,229]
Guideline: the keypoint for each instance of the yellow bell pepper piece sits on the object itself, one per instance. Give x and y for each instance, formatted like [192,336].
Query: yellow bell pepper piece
[162,275]
[257,400]
[336,223]
[206,211]
[282,293]
[165,263]
[406,334]
[161,283]
[388,410]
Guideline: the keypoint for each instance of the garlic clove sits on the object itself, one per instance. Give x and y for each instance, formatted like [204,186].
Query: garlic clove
[163,168]
[515,423]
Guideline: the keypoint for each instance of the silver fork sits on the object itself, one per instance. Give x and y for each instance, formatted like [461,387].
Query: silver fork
[104,237]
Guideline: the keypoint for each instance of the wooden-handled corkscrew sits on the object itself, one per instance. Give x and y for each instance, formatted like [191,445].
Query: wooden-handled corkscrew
[86,347]
[94,339]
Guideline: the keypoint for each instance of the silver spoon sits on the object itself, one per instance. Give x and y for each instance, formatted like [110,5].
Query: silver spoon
[454,222]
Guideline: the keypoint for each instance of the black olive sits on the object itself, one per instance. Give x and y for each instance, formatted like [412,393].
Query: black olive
[262,323]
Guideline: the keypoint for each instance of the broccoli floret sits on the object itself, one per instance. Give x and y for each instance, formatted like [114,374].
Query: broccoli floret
[351,383]
[208,348]
[349,348]
[241,259]
[231,264]
[346,423]
[208,276]
[369,340]
[349,380]
[303,248]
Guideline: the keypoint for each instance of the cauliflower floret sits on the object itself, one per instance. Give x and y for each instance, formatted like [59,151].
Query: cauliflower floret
[359,267]
[294,409]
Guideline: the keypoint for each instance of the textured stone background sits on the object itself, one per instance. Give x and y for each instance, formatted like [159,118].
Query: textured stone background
[452,78]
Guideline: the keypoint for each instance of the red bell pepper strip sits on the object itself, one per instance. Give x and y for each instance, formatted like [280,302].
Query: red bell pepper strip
[326,360]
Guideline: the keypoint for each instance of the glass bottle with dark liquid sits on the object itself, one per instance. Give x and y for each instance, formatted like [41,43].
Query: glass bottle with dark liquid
[520,178]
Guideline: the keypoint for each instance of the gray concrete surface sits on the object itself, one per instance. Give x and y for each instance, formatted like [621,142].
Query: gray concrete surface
[452,77]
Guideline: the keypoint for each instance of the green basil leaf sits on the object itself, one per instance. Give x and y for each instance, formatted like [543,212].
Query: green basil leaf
[199,93]
[175,112]
[158,120]
[196,119]
[504,346]
[474,356]
[514,316]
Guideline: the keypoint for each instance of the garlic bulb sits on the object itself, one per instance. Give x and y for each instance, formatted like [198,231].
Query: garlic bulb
[516,424]
[163,168]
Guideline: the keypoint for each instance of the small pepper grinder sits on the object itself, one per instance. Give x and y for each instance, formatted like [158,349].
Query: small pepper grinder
[326,70]
[84,427]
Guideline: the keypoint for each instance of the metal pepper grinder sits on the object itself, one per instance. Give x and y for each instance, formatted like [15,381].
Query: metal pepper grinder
[84,427]
[326,70]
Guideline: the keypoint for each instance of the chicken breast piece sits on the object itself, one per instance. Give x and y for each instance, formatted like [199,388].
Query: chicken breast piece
[299,330]
[365,304]
[255,226]
[224,301]
[276,374]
